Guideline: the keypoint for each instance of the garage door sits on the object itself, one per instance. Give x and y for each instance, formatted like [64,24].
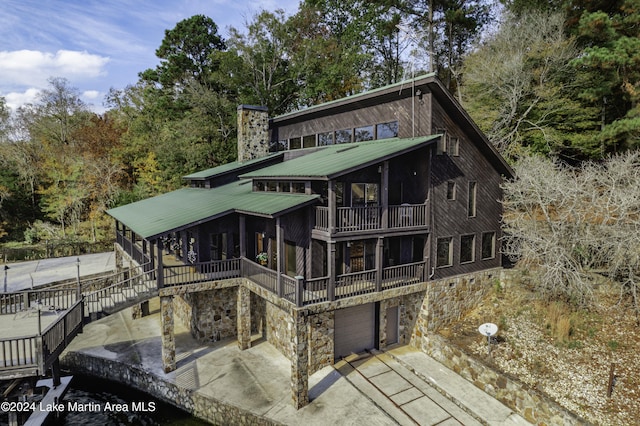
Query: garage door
[354,330]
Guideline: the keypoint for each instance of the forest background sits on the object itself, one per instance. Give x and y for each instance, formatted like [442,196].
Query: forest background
[553,83]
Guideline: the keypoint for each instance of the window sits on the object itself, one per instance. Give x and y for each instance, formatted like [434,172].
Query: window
[298,187]
[364,194]
[309,141]
[325,139]
[364,133]
[451,190]
[290,259]
[453,147]
[471,208]
[442,142]
[261,186]
[295,143]
[488,245]
[467,248]
[444,252]
[343,136]
[280,145]
[284,186]
[387,130]
[218,246]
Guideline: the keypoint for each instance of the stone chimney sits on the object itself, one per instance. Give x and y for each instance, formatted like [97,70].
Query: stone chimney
[253,132]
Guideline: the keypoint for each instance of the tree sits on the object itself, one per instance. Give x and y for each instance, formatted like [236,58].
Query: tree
[520,87]
[446,29]
[258,63]
[610,71]
[570,225]
[186,53]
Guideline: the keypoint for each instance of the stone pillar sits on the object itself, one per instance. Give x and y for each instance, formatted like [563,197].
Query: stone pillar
[300,360]
[244,317]
[168,334]
[253,132]
[140,310]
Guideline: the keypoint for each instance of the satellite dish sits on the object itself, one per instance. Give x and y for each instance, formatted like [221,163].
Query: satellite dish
[488,329]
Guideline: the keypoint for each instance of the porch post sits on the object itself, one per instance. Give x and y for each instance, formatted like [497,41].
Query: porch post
[242,235]
[160,273]
[167,334]
[244,317]
[279,256]
[331,270]
[379,262]
[300,361]
[384,199]
[185,246]
[331,219]
[152,256]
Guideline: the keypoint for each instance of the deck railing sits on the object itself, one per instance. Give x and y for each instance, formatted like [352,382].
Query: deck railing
[201,272]
[355,283]
[350,219]
[402,275]
[57,336]
[261,275]
[19,352]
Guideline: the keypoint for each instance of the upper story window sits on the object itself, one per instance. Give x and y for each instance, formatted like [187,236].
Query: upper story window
[325,138]
[471,207]
[451,190]
[295,143]
[359,134]
[387,130]
[343,136]
[488,245]
[309,141]
[280,186]
[364,133]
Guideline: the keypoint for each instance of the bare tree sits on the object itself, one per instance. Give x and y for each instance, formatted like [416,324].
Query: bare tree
[573,225]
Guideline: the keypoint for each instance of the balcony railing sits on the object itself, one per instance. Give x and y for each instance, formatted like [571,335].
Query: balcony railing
[349,219]
[201,272]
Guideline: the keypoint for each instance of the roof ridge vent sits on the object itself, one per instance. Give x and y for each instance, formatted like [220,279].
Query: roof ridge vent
[347,148]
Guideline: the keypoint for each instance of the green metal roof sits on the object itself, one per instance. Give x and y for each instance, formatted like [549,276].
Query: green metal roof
[229,167]
[334,160]
[191,206]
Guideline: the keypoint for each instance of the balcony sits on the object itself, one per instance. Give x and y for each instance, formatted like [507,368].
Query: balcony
[297,291]
[357,219]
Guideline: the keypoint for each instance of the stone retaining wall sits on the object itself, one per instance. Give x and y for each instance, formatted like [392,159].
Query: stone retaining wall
[534,406]
[203,407]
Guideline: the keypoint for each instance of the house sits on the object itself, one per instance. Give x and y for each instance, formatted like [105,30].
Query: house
[354,224]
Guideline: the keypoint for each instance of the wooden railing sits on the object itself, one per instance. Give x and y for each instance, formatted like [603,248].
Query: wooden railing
[407,216]
[201,272]
[57,336]
[350,219]
[355,283]
[402,275]
[261,275]
[20,353]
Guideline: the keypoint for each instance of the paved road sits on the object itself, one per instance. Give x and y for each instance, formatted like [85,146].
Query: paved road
[25,275]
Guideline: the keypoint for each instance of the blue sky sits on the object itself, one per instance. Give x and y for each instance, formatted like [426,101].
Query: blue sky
[97,45]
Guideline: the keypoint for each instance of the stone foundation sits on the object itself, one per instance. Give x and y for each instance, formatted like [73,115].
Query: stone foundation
[211,315]
[279,329]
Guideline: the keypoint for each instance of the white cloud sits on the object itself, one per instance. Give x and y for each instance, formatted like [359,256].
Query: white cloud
[15,99]
[33,67]
[90,94]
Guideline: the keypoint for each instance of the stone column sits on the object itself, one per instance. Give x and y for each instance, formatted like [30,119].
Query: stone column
[244,317]
[300,360]
[168,334]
